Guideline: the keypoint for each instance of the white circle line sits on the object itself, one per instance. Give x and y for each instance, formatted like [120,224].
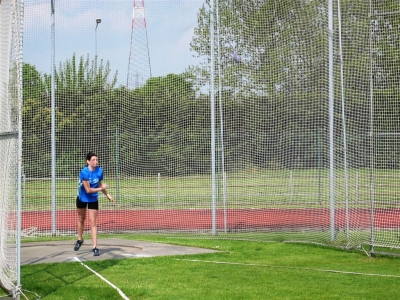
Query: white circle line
[289,267]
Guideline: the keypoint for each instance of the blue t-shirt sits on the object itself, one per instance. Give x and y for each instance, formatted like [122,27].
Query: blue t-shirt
[94,178]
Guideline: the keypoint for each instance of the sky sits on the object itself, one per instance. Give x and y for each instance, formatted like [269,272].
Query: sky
[170,25]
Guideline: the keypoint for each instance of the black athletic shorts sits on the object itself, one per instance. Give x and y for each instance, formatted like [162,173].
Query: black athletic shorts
[89,205]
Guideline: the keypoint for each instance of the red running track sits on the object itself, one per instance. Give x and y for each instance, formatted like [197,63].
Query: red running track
[201,219]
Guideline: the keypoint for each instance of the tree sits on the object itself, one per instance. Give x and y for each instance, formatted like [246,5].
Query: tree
[274,92]
[36,122]
[162,133]
[83,97]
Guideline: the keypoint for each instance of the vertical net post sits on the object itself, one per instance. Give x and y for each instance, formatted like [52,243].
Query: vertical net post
[11,20]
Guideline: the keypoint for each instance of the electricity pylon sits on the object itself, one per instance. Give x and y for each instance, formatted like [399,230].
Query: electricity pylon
[139,68]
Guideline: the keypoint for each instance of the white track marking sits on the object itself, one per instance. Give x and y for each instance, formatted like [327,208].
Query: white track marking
[288,267]
[102,278]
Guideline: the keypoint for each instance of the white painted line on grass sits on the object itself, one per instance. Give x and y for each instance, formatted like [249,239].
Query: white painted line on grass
[102,278]
[288,267]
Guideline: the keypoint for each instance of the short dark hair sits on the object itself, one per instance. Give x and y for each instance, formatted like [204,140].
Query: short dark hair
[90,155]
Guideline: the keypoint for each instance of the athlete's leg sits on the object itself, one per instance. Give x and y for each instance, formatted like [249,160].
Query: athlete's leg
[93,225]
[81,222]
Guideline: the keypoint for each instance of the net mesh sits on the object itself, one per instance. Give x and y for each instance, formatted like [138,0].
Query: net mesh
[260,156]
[10,87]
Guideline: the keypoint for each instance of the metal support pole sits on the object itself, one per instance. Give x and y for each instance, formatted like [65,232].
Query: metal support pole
[331,122]
[212,100]
[53,122]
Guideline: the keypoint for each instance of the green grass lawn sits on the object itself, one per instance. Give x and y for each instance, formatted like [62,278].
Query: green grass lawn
[241,270]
